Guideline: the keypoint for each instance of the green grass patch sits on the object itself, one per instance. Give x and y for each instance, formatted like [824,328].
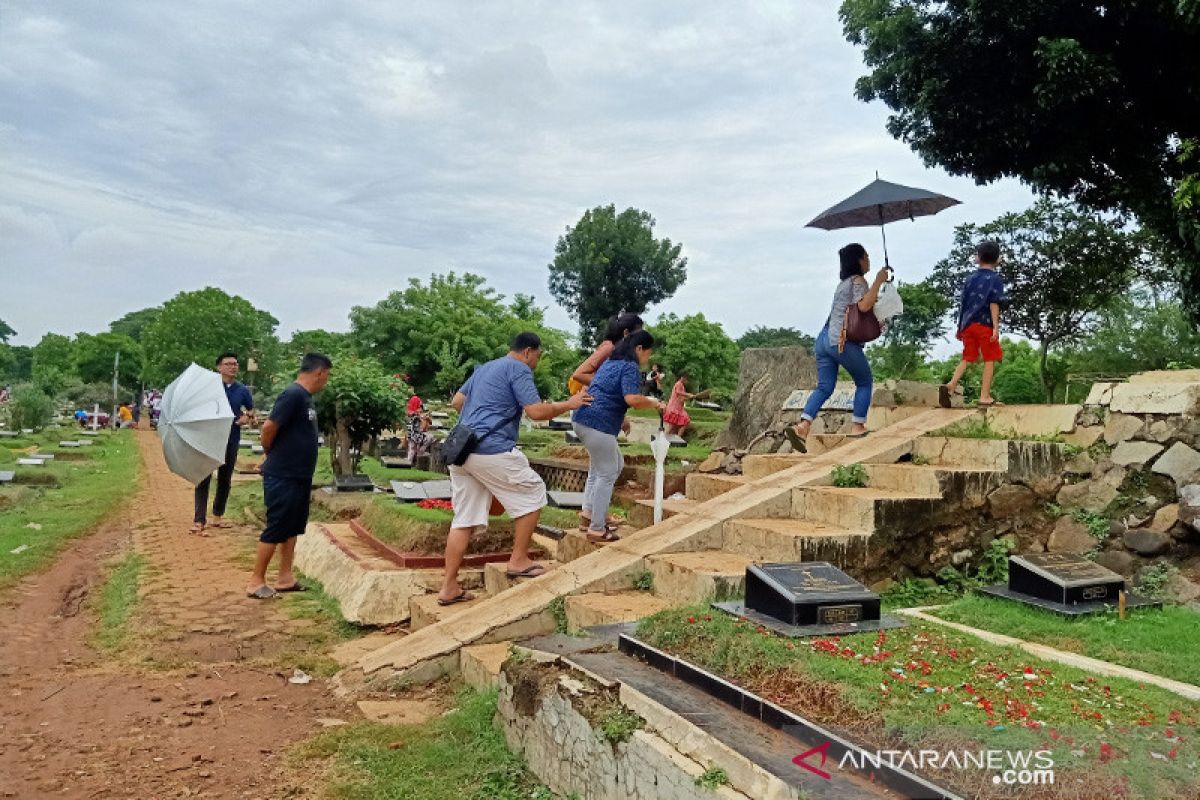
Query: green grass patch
[118,601]
[410,528]
[87,492]
[318,605]
[924,685]
[1163,642]
[384,475]
[459,756]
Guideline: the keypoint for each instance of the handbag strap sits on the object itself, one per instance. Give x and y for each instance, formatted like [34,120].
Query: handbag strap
[502,423]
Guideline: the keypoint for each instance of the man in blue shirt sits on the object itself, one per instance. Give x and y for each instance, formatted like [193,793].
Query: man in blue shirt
[243,407]
[490,403]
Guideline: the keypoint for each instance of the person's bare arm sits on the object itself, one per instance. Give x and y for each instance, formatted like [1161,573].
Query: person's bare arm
[641,401]
[540,412]
[458,402]
[267,437]
[995,309]
[587,370]
[872,296]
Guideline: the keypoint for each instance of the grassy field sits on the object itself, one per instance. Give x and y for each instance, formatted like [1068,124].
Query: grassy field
[1163,642]
[61,500]
[118,600]
[459,756]
[925,686]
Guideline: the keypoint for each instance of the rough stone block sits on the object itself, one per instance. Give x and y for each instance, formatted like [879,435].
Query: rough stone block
[1135,454]
[587,610]
[1011,501]
[399,712]
[1122,427]
[1189,506]
[1100,394]
[1147,542]
[1156,398]
[480,664]
[1165,518]
[1119,561]
[1094,494]
[1070,536]
[683,578]
[1180,463]
[1167,376]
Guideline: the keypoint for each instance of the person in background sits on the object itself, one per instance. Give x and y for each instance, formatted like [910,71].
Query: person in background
[618,328]
[979,324]
[242,404]
[419,438]
[833,350]
[615,388]
[654,381]
[675,416]
[415,404]
[136,409]
[124,415]
[289,438]
[81,417]
[491,403]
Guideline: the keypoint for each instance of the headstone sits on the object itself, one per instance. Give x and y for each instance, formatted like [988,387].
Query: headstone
[245,445]
[438,415]
[89,433]
[1065,583]
[766,378]
[437,490]
[560,425]
[353,483]
[565,499]
[257,449]
[68,444]
[85,443]
[42,456]
[8,434]
[809,598]
[30,462]
[711,406]
[408,491]
[570,438]
[396,462]
[6,477]
[675,440]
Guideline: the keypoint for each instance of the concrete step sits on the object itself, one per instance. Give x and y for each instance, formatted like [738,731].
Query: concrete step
[705,575]
[641,515]
[959,452]
[952,483]
[496,579]
[610,608]
[425,611]
[794,540]
[547,543]
[755,466]
[702,487]
[575,544]
[480,664]
[866,509]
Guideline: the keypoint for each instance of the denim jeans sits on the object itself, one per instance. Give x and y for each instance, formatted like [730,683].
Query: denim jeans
[828,361]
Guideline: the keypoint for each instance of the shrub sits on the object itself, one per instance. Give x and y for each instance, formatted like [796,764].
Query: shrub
[30,407]
[846,476]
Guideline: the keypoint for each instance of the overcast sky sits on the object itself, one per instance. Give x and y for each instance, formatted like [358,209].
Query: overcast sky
[312,156]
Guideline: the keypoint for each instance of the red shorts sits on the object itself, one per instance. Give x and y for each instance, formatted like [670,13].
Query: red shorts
[977,341]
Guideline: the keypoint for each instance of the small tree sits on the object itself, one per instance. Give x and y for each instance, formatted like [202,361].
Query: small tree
[30,407]
[762,336]
[609,263]
[903,349]
[360,401]
[1060,265]
[700,347]
[94,357]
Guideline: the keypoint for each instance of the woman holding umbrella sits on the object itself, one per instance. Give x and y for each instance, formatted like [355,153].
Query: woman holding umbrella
[834,348]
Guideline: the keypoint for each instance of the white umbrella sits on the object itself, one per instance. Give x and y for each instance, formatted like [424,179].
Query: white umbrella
[194,423]
[659,447]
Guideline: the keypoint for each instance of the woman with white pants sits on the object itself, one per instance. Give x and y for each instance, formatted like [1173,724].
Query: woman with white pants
[615,388]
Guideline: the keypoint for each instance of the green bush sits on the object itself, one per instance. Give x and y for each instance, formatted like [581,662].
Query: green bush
[30,407]
[848,476]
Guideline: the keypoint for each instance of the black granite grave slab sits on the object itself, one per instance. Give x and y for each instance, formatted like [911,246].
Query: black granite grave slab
[560,425]
[570,438]
[1064,583]
[738,609]
[808,593]
[1075,609]
[565,499]
[353,483]
[675,440]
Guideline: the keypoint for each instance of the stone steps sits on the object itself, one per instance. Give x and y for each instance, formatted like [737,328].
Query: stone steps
[866,509]
[949,482]
[496,579]
[703,575]
[425,611]
[610,608]
[794,540]
[480,664]
[642,513]
[702,487]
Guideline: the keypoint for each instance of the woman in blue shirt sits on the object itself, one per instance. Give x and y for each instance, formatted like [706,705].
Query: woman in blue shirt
[615,388]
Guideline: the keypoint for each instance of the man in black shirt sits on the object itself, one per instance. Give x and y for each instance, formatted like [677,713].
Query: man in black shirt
[289,438]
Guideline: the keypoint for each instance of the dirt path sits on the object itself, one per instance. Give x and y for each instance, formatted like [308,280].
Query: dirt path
[198,705]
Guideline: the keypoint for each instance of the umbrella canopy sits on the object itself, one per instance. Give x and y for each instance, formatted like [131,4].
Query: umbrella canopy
[194,423]
[659,447]
[878,203]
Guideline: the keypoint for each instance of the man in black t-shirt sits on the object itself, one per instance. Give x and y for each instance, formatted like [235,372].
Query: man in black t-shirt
[289,438]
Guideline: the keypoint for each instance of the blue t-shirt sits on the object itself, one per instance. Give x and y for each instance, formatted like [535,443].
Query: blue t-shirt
[982,288]
[608,388]
[293,454]
[497,393]
[239,397]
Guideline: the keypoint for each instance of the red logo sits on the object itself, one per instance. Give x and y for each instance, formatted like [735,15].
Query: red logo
[800,761]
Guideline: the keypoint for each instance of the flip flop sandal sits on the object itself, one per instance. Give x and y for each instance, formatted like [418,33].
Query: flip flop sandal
[222,525]
[262,593]
[532,571]
[992,404]
[796,440]
[463,597]
[198,531]
[295,587]
[609,535]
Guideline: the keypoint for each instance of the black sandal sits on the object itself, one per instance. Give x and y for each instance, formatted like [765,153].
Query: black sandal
[528,572]
[795,440]
[463,597]
[609,535]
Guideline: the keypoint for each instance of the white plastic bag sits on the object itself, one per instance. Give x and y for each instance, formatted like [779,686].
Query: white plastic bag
[889,304]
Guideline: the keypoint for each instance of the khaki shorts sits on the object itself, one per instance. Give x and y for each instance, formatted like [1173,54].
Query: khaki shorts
[505,476]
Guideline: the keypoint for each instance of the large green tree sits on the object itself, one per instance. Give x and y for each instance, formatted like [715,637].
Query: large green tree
[316,340]
[1139,331]
[609,263]
[197,326]
[902,350]
[1096,101]
[436,332]
[360,401]
[763,336]
[699,346]
[135,323]
[1061,266]
[94,357]
[6,332]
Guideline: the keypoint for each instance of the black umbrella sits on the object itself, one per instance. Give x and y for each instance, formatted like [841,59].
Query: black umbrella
[878,203]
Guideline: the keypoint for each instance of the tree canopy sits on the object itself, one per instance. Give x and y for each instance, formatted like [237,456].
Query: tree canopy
[6,332]
[763,336]
[903,348]
[609,263]
[700,347]
[94,356]
[197,326]
[1096,101]
[436,332]
[135,323]
[1060,265]
[360,401]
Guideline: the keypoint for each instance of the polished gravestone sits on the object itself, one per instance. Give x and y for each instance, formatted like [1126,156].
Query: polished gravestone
[416,491]
[565,499]
[6,477]
[31,462]
[809,598]
[675,440]
[353,483]
[41,456]
[8,434]
[1064,583]
[560,425]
